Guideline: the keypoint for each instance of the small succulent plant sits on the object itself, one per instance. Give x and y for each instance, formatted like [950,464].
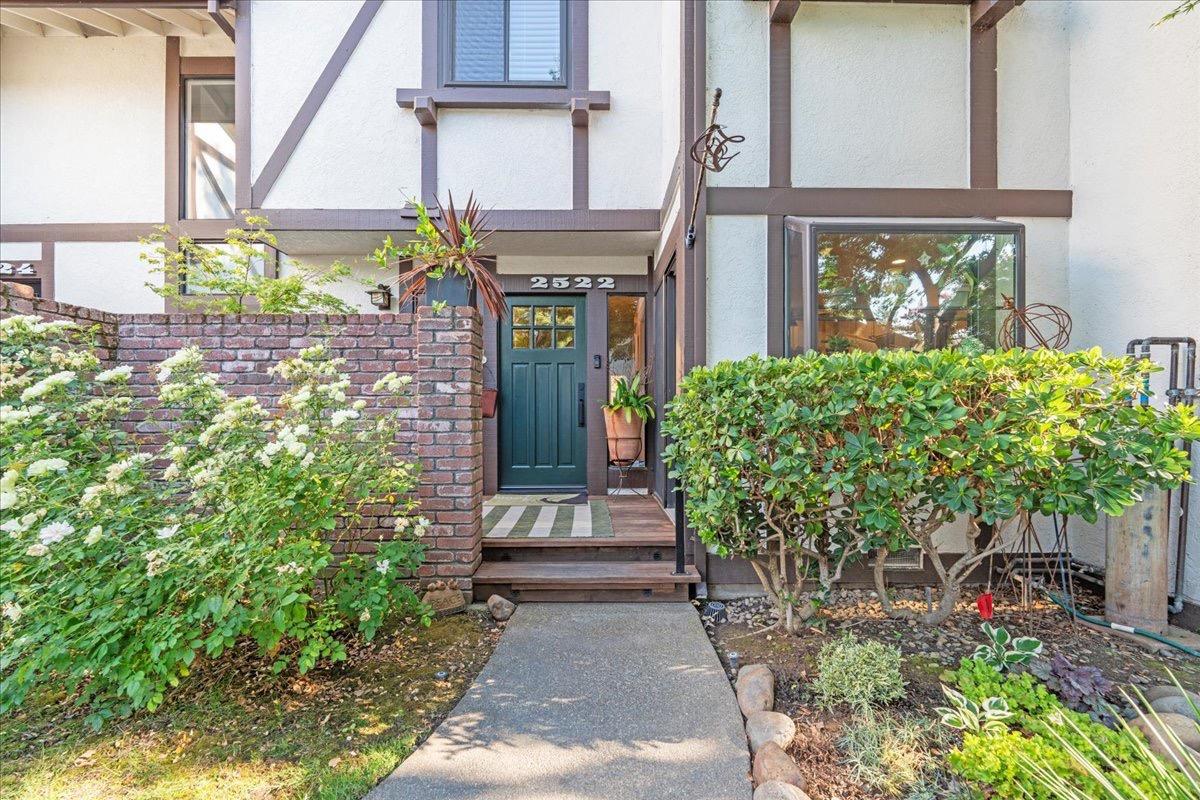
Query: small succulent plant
[1002,651]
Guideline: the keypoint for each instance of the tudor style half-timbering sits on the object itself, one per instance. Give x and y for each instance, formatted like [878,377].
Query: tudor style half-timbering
[1050,145]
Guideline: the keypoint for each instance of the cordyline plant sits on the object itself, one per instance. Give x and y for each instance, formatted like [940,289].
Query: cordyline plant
[823,458]
[437,250]
[124,569]
[225,278]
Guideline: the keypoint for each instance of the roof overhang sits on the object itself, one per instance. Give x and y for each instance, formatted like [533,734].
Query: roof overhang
[116,18]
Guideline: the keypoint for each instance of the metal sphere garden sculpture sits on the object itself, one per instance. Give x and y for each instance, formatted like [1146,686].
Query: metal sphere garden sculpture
[1042,324]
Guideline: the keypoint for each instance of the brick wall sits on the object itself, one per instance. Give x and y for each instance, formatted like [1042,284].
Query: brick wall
[17,299]
[442,425]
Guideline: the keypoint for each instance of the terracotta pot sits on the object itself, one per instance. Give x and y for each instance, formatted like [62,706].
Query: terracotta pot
[489,402]
[624,435]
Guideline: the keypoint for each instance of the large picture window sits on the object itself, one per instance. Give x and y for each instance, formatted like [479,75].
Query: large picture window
[917,285]
[506,42]
[208,159]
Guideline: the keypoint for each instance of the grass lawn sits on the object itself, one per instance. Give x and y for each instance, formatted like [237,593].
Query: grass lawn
[241,733]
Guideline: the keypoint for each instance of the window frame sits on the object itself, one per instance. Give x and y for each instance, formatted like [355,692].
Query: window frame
[446,50]
[270,257]
[804,263]
[184,80]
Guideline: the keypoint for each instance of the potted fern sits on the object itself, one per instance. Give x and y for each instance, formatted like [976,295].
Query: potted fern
[625,415]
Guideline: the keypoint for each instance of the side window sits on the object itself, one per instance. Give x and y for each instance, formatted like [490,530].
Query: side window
[506,42]
[208,148]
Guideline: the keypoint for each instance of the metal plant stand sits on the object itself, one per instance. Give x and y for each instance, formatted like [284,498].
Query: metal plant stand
[619,444]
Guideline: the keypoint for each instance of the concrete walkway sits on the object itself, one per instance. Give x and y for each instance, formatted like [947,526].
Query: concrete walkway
[599,701]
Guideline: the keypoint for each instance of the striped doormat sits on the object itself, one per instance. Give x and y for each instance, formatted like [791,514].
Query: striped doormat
[545,516]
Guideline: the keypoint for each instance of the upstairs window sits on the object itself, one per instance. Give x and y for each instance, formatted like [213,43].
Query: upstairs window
[507,42]
[208,150]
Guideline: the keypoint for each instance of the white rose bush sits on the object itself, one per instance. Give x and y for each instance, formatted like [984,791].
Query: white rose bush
[125,567]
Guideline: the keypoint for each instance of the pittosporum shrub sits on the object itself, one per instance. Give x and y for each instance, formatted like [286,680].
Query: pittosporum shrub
[806,464]
[124,567]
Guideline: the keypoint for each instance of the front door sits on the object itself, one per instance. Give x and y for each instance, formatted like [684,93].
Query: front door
[542,409]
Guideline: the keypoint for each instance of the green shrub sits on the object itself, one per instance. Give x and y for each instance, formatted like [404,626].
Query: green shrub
[860,674]
[123,570]
[1043,732]
[820,459]
[890,754]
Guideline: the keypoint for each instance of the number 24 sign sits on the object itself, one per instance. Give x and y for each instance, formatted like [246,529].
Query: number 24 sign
[572,282]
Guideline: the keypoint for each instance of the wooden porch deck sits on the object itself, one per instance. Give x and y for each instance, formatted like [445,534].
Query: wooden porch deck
[635,563]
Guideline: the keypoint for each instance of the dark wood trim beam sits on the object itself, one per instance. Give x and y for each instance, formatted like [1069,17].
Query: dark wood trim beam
[890,202]
[241,102]
[780,103]
[775,296]
[424,106]
[173,155]
[512,97]
[984,117]
[219,19]
[579,166]
[986,13]
[312,104]
[207,67]
[374,219]
[672,188]
[784,11]
[46,270]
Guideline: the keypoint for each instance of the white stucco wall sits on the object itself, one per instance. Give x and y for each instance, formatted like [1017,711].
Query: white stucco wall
[1032,104]
[1135,171]
[625,143]
[736,262]
[738,62]
[510,159]
[570,265]
[361,150]
[672,18]
[292,42]
[105,275]
[81,129]
[364,274]
[879,95]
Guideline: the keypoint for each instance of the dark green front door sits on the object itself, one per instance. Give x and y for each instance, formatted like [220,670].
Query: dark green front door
[543,441]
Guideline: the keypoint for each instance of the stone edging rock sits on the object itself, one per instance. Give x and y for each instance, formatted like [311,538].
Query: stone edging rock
[776,776]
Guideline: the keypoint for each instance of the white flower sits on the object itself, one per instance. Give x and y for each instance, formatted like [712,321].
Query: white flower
[55,532]
[47,384]
[359,405]
[392,382]
[364,616]
[171,472]
[156,562]
[382,566]
[296,449]
[13,527]
[342,415]
[114,374]
[11,611]
[91,494]
[45,465]
[8,481]
[178,452]
[308,458]
[8,500]
[37,550]
[93,536]
[290,568]
[167,532]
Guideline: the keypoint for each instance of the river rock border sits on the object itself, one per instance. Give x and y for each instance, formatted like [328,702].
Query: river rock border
[769,733]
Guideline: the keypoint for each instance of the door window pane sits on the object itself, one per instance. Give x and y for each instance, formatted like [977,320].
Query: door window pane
[564,316]
[507,41]
[520,339]
[912,290]
[564,339]
[520,315]
[208,130]
[626,338]
[543,315]
[542,339]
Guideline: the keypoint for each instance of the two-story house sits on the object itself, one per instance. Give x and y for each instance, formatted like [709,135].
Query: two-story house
[903,169]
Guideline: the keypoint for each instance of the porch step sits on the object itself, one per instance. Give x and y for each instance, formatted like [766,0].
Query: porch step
[626,548]
[579,581]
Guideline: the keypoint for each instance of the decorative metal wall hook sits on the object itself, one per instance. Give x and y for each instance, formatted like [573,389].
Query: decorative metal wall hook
[711,152]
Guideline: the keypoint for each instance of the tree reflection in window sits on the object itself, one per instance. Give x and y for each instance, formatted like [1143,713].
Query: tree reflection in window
[926,290]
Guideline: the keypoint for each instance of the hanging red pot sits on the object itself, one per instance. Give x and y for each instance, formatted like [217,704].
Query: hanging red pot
[985,603]
[489,403]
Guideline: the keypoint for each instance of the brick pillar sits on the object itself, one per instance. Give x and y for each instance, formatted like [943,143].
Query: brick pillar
[449,383]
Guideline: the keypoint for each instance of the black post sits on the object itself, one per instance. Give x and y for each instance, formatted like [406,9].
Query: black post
[680,529]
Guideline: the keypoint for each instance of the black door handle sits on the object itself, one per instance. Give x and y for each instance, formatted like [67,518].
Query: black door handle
[582,407]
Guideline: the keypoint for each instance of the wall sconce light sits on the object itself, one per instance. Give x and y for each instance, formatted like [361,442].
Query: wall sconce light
[381,296]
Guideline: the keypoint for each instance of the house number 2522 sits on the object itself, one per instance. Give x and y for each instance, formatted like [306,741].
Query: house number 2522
[572,282]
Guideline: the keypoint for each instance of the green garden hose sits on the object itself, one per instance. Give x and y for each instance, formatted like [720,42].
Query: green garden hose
[1117,627]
